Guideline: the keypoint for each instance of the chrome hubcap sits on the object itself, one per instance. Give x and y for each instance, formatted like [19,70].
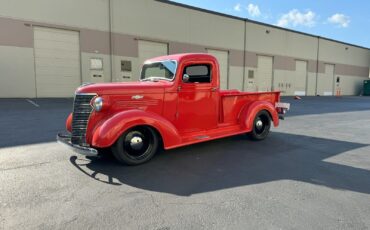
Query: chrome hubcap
[259,124]
[136,142]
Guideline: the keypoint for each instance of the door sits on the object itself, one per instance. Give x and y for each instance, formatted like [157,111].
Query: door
[300,78]
[264,73]
[57,62]
[311,84]
[96,70]
[149,50]
[197,100]
[250,81]
[223,61]
[325,82]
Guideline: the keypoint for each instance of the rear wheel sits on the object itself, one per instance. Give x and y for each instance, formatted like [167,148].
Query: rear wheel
[136,146]
[261,126]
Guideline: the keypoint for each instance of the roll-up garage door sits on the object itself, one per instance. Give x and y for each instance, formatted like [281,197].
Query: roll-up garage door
[149,50]
[300,78]
[264,73]
[325,82]
[223,61]
[57,62]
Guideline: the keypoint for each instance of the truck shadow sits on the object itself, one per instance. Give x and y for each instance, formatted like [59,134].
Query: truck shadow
[234,162]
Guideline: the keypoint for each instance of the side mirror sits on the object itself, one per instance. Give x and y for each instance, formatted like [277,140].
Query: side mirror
[185,78]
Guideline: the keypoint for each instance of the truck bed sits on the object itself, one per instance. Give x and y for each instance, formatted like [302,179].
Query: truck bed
[232,101]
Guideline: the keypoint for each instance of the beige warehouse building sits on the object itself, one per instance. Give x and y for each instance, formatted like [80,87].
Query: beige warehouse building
[50,47]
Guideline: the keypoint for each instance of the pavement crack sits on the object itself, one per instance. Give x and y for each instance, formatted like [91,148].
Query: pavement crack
[153,201]
[26,166]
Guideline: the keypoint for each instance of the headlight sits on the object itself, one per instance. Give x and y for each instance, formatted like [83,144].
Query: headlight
[98,104]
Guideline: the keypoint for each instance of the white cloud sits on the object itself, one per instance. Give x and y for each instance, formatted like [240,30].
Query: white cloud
[253,10]
[238,7]
[340,19]
[297,18]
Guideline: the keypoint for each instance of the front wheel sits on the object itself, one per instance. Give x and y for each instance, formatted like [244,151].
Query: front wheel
[261,126]
[136,146]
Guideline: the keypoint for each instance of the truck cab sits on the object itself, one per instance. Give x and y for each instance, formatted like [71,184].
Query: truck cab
[177,102]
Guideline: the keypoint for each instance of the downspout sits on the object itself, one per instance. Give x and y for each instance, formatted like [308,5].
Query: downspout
[317,63]
[244,50]
[110,40]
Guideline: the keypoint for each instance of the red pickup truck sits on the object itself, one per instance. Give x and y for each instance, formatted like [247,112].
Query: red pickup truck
[177,102]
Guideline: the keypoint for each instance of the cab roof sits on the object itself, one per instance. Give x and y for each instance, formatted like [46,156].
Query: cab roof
[183,56]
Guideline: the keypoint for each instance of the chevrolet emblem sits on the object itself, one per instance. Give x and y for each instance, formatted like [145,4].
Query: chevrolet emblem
[137,97]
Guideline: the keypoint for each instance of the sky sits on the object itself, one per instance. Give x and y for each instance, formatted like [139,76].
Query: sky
[343,20]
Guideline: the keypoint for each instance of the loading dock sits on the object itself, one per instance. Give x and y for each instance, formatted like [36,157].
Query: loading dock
[264,73]
[300,78]
[149,49]
[223,60]
[57,62]
[325,82]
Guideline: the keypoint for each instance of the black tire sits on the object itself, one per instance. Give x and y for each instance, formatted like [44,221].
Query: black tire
[136,146]
[261,126]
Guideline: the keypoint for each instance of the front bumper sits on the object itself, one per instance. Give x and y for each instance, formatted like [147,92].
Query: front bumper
[65,139]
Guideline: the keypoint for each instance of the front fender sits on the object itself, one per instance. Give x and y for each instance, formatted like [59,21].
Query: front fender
[69,123]
[248,113]
[110,130]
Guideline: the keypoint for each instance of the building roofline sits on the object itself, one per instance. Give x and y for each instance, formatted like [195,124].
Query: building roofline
[256,22]
[201,9]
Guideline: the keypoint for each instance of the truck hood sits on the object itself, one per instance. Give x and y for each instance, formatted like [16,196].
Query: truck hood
[125,88]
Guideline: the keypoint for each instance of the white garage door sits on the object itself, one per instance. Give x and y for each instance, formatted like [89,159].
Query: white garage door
[325,82]
[57,62]
[149,50]
[223,61]
[300,78]
[264,73]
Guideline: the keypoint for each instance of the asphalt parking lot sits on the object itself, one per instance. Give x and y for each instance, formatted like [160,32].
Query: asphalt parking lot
[313,172]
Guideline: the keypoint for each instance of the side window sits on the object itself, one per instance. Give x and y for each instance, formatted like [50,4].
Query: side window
[198,74]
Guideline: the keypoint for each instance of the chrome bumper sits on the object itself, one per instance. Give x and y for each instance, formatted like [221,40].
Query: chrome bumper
[282,108]
[65,139]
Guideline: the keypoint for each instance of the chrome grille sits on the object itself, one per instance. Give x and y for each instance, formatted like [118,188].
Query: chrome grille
[81,113]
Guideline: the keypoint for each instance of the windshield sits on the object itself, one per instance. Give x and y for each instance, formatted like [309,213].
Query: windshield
[164,70]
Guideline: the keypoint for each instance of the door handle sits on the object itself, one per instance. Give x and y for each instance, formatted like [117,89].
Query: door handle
[214,89]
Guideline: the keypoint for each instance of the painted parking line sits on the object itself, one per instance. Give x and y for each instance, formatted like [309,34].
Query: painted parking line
[33,103]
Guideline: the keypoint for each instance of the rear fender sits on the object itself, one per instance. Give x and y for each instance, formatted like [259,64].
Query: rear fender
[106,134]
[249,112]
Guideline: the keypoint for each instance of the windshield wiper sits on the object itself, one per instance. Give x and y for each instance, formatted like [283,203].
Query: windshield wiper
[155,79]
[146,79]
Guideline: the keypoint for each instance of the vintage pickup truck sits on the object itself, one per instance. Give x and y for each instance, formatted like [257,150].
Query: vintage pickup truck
[177,102]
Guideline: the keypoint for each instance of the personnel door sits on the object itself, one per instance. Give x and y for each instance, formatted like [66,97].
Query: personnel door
[197,99]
